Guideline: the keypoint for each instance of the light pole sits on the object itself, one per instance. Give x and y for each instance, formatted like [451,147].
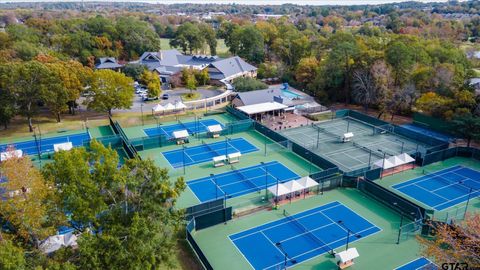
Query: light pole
[285,255]
[266,180]
[342,224]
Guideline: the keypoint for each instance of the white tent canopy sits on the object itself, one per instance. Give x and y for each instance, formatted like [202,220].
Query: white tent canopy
[406,158]
[169,107]
[307,182]
[62,146]
[293,186]
[394,161]
[384,163]
[180,134]
[279,190]
[158,108]
[262,107]
[214,128]
[10,154]
[179,105]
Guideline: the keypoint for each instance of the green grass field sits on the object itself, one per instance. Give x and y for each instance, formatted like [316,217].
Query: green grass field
[222,49]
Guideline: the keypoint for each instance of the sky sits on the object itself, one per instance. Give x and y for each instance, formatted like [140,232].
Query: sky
[245,2]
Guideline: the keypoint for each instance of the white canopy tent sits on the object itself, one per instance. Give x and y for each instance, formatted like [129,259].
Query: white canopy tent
[307,182]
[279,190]
[158,108]
[293,186]
[179,106]
[169,107]
[406,158]
[384,163]
[62,146]
[394,161]
[11,154]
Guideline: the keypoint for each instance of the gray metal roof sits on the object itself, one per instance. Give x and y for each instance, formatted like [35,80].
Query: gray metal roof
[168,60]
[231,66]
[108,63]
[259,96]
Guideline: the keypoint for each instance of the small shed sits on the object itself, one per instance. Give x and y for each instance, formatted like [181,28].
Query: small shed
[181,136]
[345,258]
[347,137]
[214,130]
[62,146]
[219,161]
[234,157]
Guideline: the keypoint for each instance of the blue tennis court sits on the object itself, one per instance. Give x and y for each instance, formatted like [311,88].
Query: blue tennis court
[205,152]
[191,127]
[421,263]
[242,181]
[302,236]
[45,145]
[443,189]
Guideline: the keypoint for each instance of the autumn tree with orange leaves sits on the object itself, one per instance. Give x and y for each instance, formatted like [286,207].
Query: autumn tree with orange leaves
[456,243]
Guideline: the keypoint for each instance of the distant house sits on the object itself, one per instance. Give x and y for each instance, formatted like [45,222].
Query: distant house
[473,55]
[167,63]
[475,83]
[259,96]
[108,63]
[225,70]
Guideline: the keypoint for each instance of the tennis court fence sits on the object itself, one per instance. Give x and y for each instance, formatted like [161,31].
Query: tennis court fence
[190,230]
[401,205]
[381,126]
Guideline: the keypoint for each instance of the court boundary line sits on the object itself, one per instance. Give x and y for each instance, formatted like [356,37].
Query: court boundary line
[282,223]
[184,127]
[276,225]
[245,168]
[330,243]
[447,170]
[241,253]
[405,264]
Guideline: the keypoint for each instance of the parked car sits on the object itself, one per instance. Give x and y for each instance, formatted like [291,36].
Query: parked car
[146,98]
[165,96]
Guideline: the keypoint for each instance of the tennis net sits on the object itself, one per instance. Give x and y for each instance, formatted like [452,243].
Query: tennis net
[307,232]
[210,148]
[244,178]
[367,149]
[183,125]
[475,185]
[331,134]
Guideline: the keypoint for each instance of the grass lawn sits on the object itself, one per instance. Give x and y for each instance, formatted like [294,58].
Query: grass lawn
[18,129]
[191,96]
[222,49]
[321,116]
[477,72]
